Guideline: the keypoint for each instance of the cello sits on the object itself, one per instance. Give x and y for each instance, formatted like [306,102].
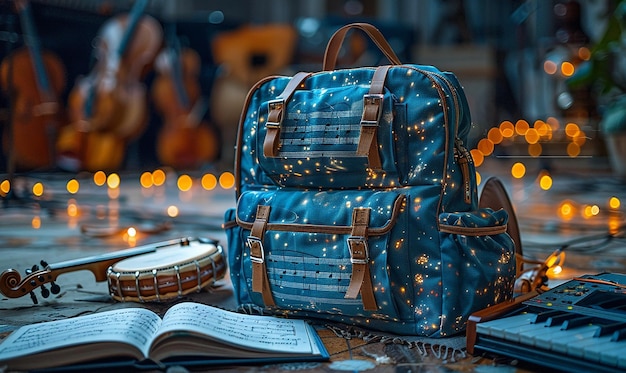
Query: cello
[108,108]
[33,79]
[185,141]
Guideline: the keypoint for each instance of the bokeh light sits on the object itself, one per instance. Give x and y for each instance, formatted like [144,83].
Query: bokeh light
[99,178]
[184,183]
[38,189]
[73,186]
[518,170]
[209,181]
[227,180]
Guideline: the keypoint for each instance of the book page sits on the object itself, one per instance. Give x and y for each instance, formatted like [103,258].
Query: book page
[263,333]
[135,326]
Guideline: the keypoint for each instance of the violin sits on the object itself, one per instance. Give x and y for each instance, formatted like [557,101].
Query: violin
[186,141]
[33,79]
[108,108]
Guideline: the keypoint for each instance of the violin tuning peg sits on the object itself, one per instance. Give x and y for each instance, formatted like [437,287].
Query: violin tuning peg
[45,292]
[33,297]
[54,288]
[43,263]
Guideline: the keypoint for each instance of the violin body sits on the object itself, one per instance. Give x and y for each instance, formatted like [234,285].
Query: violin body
[110,104]
[33,79]
[186,141]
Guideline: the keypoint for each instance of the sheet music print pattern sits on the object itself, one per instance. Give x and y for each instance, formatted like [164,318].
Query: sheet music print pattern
[135,325]
[243,330]
[308,131]
[332,277]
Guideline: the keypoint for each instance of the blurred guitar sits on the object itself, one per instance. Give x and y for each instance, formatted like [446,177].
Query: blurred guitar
[245,55]
[33,79]
[108,108]
[186,141]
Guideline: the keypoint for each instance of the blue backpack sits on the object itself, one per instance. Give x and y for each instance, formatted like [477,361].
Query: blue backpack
[357,200]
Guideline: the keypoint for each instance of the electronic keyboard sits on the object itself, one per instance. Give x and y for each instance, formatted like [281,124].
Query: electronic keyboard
[578,326]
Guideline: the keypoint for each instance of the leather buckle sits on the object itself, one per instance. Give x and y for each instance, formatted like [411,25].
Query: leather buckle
[275,113]
[256,244]
[372,100]
[359,251]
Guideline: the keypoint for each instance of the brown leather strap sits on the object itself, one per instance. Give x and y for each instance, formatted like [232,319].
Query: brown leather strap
[494,196]
[370,120]
[335,42]
[361,280]
[276,113]
[260,281]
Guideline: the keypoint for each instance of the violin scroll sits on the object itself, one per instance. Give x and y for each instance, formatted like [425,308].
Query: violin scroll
[13,286]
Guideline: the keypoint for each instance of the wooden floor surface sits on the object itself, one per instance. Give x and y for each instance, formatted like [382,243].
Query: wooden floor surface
[35,228]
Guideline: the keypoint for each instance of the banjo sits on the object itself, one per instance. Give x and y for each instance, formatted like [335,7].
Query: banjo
[167,273]
[158,271]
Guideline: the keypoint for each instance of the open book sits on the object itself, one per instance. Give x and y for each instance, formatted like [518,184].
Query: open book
[189,334]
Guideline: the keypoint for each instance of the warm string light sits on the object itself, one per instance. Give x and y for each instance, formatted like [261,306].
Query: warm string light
[536,135]
[113,181]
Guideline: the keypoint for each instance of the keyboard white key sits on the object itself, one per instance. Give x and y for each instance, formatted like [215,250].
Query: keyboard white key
[611,355]
[498,327]
[562,345]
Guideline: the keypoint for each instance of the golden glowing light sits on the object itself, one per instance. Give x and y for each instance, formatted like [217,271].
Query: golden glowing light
[99,178]
[485,146]
[132,232]
[208,181]
[518,170]
[572,130]
[542,128]
[545,182]
[158,177]
[73,186]
[113,181]
[72,210]
[615,224]
[477,156]
[521,126]
[478,178]
[534,150]
[580,138]
[566,210]
[554,271]
[172,211]
[113,193]
[507,129]
[35,222]
[591,211]
[531,136]
[553,123]
[227,180]
[38,189]
[614,203]
[567,68]
[495,135]
[573,150]
[549,67]
[146,179]
[184,183]
[555,259]
[5,186]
